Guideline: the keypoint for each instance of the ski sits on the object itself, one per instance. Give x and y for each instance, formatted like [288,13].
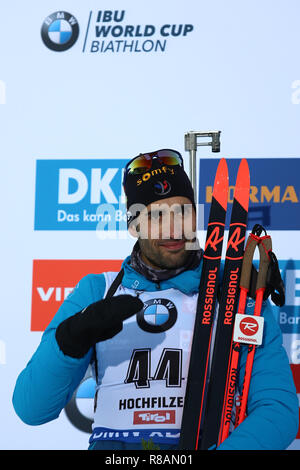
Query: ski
[227,309]
[199,358]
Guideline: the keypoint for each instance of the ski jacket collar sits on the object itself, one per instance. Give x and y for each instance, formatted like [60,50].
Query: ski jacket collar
[187,281]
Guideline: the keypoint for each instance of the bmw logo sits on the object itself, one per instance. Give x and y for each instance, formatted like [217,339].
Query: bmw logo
[157,315]
[80,408]
[60,31]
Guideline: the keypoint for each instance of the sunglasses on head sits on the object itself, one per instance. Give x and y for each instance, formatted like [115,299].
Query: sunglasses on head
[143,162]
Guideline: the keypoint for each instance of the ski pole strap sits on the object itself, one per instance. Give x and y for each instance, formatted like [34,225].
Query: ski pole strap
[265,247]
[252,242]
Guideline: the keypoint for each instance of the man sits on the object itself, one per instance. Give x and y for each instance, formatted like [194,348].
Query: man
[136,329]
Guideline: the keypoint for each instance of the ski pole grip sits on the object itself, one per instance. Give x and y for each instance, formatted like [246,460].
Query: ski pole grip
[264,247]
[252,242]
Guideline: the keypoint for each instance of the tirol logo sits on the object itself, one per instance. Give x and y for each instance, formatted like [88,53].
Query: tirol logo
[274,195]
[80,195]
[54,280]
[249,326]
[162,187]
[154,417]
[157,315]
[60,31]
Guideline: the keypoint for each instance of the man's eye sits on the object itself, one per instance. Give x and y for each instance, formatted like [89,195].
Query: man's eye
[178,211]
[155,215]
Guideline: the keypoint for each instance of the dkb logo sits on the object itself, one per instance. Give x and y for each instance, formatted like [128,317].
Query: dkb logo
[80,195]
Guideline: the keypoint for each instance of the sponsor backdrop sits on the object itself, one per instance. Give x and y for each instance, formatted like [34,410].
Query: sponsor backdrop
[84,86]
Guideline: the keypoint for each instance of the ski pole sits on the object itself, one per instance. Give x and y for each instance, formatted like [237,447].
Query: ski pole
[265,246]
[252,242]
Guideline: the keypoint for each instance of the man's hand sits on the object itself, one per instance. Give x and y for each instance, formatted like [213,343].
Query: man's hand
[98,322]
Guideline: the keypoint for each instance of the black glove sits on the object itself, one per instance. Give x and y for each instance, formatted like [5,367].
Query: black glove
[274,283]
[99,321]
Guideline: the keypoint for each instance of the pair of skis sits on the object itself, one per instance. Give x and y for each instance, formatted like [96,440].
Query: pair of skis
[204,401]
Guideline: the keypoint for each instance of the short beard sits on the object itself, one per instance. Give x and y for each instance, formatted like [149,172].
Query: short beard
[159,260]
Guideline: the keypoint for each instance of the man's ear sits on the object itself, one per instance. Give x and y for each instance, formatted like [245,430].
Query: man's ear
[134,230]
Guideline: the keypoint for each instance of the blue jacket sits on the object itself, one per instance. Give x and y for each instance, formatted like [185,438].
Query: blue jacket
[47,383]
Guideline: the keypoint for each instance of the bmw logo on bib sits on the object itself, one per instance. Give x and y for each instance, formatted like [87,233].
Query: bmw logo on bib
[158,315]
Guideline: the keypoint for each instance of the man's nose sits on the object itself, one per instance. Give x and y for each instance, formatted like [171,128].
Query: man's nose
[175,226]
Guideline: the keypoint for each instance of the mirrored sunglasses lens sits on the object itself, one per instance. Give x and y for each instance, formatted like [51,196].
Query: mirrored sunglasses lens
[169,157]
[139,165]
[143,163]
[171,160]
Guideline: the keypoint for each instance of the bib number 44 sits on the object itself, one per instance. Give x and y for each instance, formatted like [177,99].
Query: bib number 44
[169,368]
